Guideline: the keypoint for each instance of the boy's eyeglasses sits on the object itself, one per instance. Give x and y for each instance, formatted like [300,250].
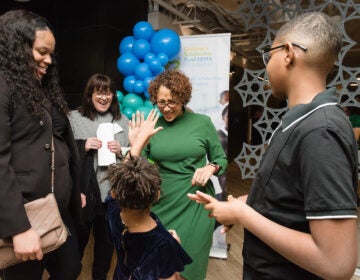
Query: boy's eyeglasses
[169,103]
[266,51]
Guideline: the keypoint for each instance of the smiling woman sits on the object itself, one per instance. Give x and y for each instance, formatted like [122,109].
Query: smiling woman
[32,116]
[181,151]
[98,107]
[43,49]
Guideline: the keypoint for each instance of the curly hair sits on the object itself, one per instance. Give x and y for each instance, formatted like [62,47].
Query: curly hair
[135,182]
[176,81]
[17,65]
[98,82]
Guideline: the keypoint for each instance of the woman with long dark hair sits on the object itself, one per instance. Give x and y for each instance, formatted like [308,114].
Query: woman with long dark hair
[32,113]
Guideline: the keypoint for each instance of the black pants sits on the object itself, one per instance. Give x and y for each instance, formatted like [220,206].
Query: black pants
[63,263]
[103,248]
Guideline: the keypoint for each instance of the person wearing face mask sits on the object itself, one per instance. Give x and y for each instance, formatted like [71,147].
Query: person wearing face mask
[32,112]
[99,106]
[181,151]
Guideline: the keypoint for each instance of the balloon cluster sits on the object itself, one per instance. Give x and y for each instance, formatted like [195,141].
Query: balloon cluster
[143,56]
[131,102]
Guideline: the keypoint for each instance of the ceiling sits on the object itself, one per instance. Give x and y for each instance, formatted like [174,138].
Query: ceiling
[249,22]
[252,23]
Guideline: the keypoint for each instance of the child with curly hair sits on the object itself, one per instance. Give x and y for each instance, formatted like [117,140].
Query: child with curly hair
[145,249]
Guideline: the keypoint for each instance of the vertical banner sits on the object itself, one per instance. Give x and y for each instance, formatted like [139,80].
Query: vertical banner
[205,59]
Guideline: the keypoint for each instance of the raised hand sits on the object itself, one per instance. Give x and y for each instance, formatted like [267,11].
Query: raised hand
[134,126]
[141,130]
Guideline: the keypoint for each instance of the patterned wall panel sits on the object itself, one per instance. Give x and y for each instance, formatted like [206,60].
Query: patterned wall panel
[268,15]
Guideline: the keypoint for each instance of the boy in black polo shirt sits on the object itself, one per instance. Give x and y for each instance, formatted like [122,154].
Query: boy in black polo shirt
[300,215]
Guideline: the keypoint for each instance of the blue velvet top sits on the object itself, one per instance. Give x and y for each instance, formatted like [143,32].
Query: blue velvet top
[144,255]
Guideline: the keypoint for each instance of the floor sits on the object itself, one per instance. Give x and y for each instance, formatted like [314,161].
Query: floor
[228,269]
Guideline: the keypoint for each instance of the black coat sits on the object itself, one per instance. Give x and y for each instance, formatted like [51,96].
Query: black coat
[89,184]
[25,160]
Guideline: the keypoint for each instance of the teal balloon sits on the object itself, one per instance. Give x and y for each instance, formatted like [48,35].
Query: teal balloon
[132,100]
[144,109]
[148,103]
[157,110]
[128,112]
[119,96]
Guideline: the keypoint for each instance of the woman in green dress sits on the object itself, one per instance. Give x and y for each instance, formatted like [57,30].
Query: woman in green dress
[188,152]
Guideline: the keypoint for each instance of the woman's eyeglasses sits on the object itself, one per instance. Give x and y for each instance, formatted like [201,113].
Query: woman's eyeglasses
[169,103]
[100,94]
[266,51]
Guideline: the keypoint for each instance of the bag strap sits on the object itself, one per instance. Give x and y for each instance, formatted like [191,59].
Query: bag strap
[52,164]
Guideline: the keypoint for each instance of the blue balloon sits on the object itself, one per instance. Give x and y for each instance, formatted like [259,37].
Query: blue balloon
[163,58]
[148,57]
[126,44]
[128,112]
[119,96]
[129,82]
[141,48]
[143,30]
[132,100]
[166,41]
[142,71]
[162,70]
[126,64]
[139,86]
[155,66]
[147,94]
[147,82]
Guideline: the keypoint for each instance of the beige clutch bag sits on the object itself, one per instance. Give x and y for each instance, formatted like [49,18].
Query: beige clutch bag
[44,216]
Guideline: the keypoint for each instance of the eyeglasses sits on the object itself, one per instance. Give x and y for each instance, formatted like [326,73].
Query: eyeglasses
[100,94]
[169,103]
[266,51]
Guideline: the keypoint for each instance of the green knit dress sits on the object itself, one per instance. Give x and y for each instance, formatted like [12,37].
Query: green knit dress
[179,149]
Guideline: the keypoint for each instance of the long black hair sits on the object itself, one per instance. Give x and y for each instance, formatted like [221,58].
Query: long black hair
[17,65]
